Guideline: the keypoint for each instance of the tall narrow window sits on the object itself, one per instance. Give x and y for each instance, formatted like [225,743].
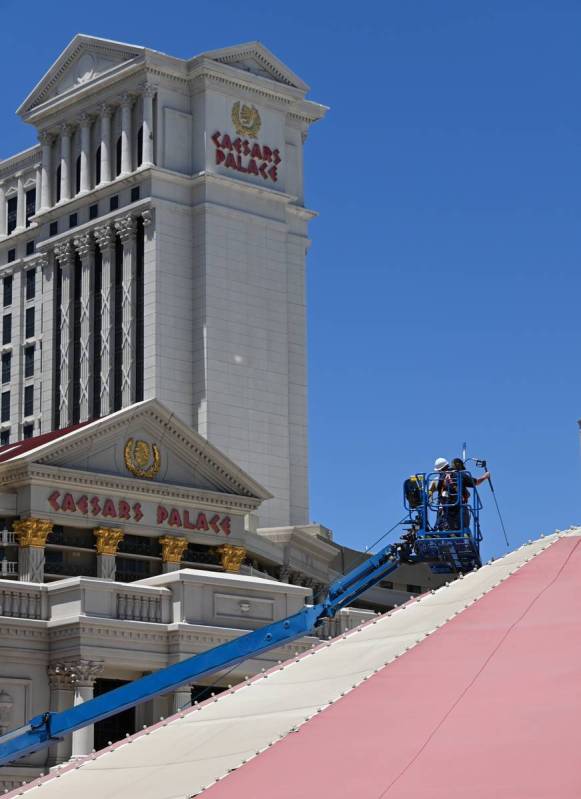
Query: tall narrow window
[7,290]
[29,323]
[28,361]
[30,284]
[58,184]
[78,175]
[5,407]
[118,157]
[29,400]
[57,346]
[98,166]
[97,333]
[12,206]
[27,430]
[140,146]
[117,326]
[4,438]
[7,329]
[139,297]
[30,205]
[6,366]
[77,341]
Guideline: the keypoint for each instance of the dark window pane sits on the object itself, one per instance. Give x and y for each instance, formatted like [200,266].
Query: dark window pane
[140,146]
[135,194]
[30,247]
[27,431]
[5,407]
[4,438]
[118,157]
[11,256]
[54,228]
[30,205]
[114,203]
[78,175]
[7,329]
[29,362]
[93,211]
[73,220]
[7,290]
[76,348]
[30,284]
[28,400]
[12,206]
[98,166]
[29,324]
[58,184]
[6,364]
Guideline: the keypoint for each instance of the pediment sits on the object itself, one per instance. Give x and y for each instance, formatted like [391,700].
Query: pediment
[144,442]
[257,59]
[85,60]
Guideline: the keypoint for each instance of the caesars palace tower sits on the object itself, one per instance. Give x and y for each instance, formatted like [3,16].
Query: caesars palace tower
[153,245]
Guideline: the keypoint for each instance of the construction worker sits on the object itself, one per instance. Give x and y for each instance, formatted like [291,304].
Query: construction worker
[441,488]
[459,514]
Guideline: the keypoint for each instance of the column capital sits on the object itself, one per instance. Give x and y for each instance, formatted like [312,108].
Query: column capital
[126,227]
[85,120]
[106,110]
[83,673]
[127,99]
[148,89]
[39,262]
[104,236]
[231,557]
[84,244]
[147,217]
[59,675]
[32,532]
[108,539]
[45,137]
[172,548]
[67,128]
[64,252]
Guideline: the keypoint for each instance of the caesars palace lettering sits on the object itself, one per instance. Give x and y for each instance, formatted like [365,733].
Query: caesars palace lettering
[247,157]
[121,509]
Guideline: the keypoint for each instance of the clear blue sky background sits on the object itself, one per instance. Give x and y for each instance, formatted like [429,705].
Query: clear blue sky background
[444,277]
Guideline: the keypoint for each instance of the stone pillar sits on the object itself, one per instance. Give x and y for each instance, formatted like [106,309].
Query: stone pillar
[108,539]
[106,113]
[172,550]
[66,132]
[231,557]
[46,353]
[126,134]
[85,121]
[182,698]
[31,534]
[105,237]
[85,246]
[21,207]
[3,225]
[61,698]
[148,94]
[45,199]
[83,674]
[126,228]
[65,255]
[38,168]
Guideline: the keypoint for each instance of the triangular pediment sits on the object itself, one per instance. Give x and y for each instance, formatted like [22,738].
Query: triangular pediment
[257,59]
[84,61]
[144,442]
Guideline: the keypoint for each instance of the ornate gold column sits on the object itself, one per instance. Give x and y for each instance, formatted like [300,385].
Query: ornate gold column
[108,540]
[231,557]
[172,550]
[32,535]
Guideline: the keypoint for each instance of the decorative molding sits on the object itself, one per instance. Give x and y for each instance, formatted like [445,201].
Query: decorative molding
[45,137]
[83,673]
[108,539]
[126,227]
[64,253]
[84,244]
[147,217]
[32,532]
[231,557]
[172,548]
[104,236]
[142,459]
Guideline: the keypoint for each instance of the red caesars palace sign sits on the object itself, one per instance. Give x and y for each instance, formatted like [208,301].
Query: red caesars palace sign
[247,157]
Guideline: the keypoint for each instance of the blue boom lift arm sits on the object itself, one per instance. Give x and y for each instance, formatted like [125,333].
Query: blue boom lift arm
[422,543]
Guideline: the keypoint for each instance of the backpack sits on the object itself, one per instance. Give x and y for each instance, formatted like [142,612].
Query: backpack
[412,489]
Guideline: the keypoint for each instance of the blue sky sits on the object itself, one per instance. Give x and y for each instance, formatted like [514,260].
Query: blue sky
[444,276]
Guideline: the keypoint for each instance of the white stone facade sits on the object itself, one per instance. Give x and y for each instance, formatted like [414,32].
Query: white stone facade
[163,215]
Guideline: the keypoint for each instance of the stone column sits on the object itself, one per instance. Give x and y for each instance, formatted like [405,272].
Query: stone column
[106,113]
[61,698]
[182,698]
[172,550]
[85,121]
[108,539]
[105,238]
[85,246]
[3,226]
[46,139]
[31,534]
[126,134]
[66,132]
[38,168]
[231,557]
[21,208]
[83,675]
[65,255]
[149,91]
[126,227]
[46,353]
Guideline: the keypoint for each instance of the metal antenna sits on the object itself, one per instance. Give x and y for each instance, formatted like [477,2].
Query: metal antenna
[464,453]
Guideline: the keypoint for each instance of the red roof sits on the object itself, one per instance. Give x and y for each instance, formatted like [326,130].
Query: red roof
[10,451]
[488,705]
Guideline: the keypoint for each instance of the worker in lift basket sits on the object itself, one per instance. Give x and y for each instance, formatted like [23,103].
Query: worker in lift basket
[462,513]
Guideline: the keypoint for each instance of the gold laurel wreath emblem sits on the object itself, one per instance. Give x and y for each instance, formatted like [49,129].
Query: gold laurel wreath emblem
[246,120]
[142,459]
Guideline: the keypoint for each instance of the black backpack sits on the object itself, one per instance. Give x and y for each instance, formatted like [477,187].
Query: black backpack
[412,489]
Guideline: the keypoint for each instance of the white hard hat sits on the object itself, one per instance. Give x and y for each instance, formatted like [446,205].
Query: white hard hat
[440,464]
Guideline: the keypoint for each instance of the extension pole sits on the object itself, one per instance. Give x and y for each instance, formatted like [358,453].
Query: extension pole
[497,508]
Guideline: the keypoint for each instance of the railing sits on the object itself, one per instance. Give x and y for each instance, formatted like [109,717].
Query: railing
[138,606]
[20,602]
[346,619]
[7,538]
[8,568]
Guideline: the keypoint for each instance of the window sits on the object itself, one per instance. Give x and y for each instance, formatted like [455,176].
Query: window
[413,589]
[5,406]
[28,362]
[135,194]
[58,183]
[93,211]
[54,228]
[4,438]
[78,175]
[11,256]
[27,430]
[98,166]
[29,324]
[7,329]
[12,206]
[30,247]
[30,284]
[73,220]
[6,364]
[114,202]
[28,400]
[7,290]
[140,146]
[30,205]
[118,157]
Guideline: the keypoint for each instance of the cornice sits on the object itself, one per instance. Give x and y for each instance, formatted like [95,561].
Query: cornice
[27,159]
